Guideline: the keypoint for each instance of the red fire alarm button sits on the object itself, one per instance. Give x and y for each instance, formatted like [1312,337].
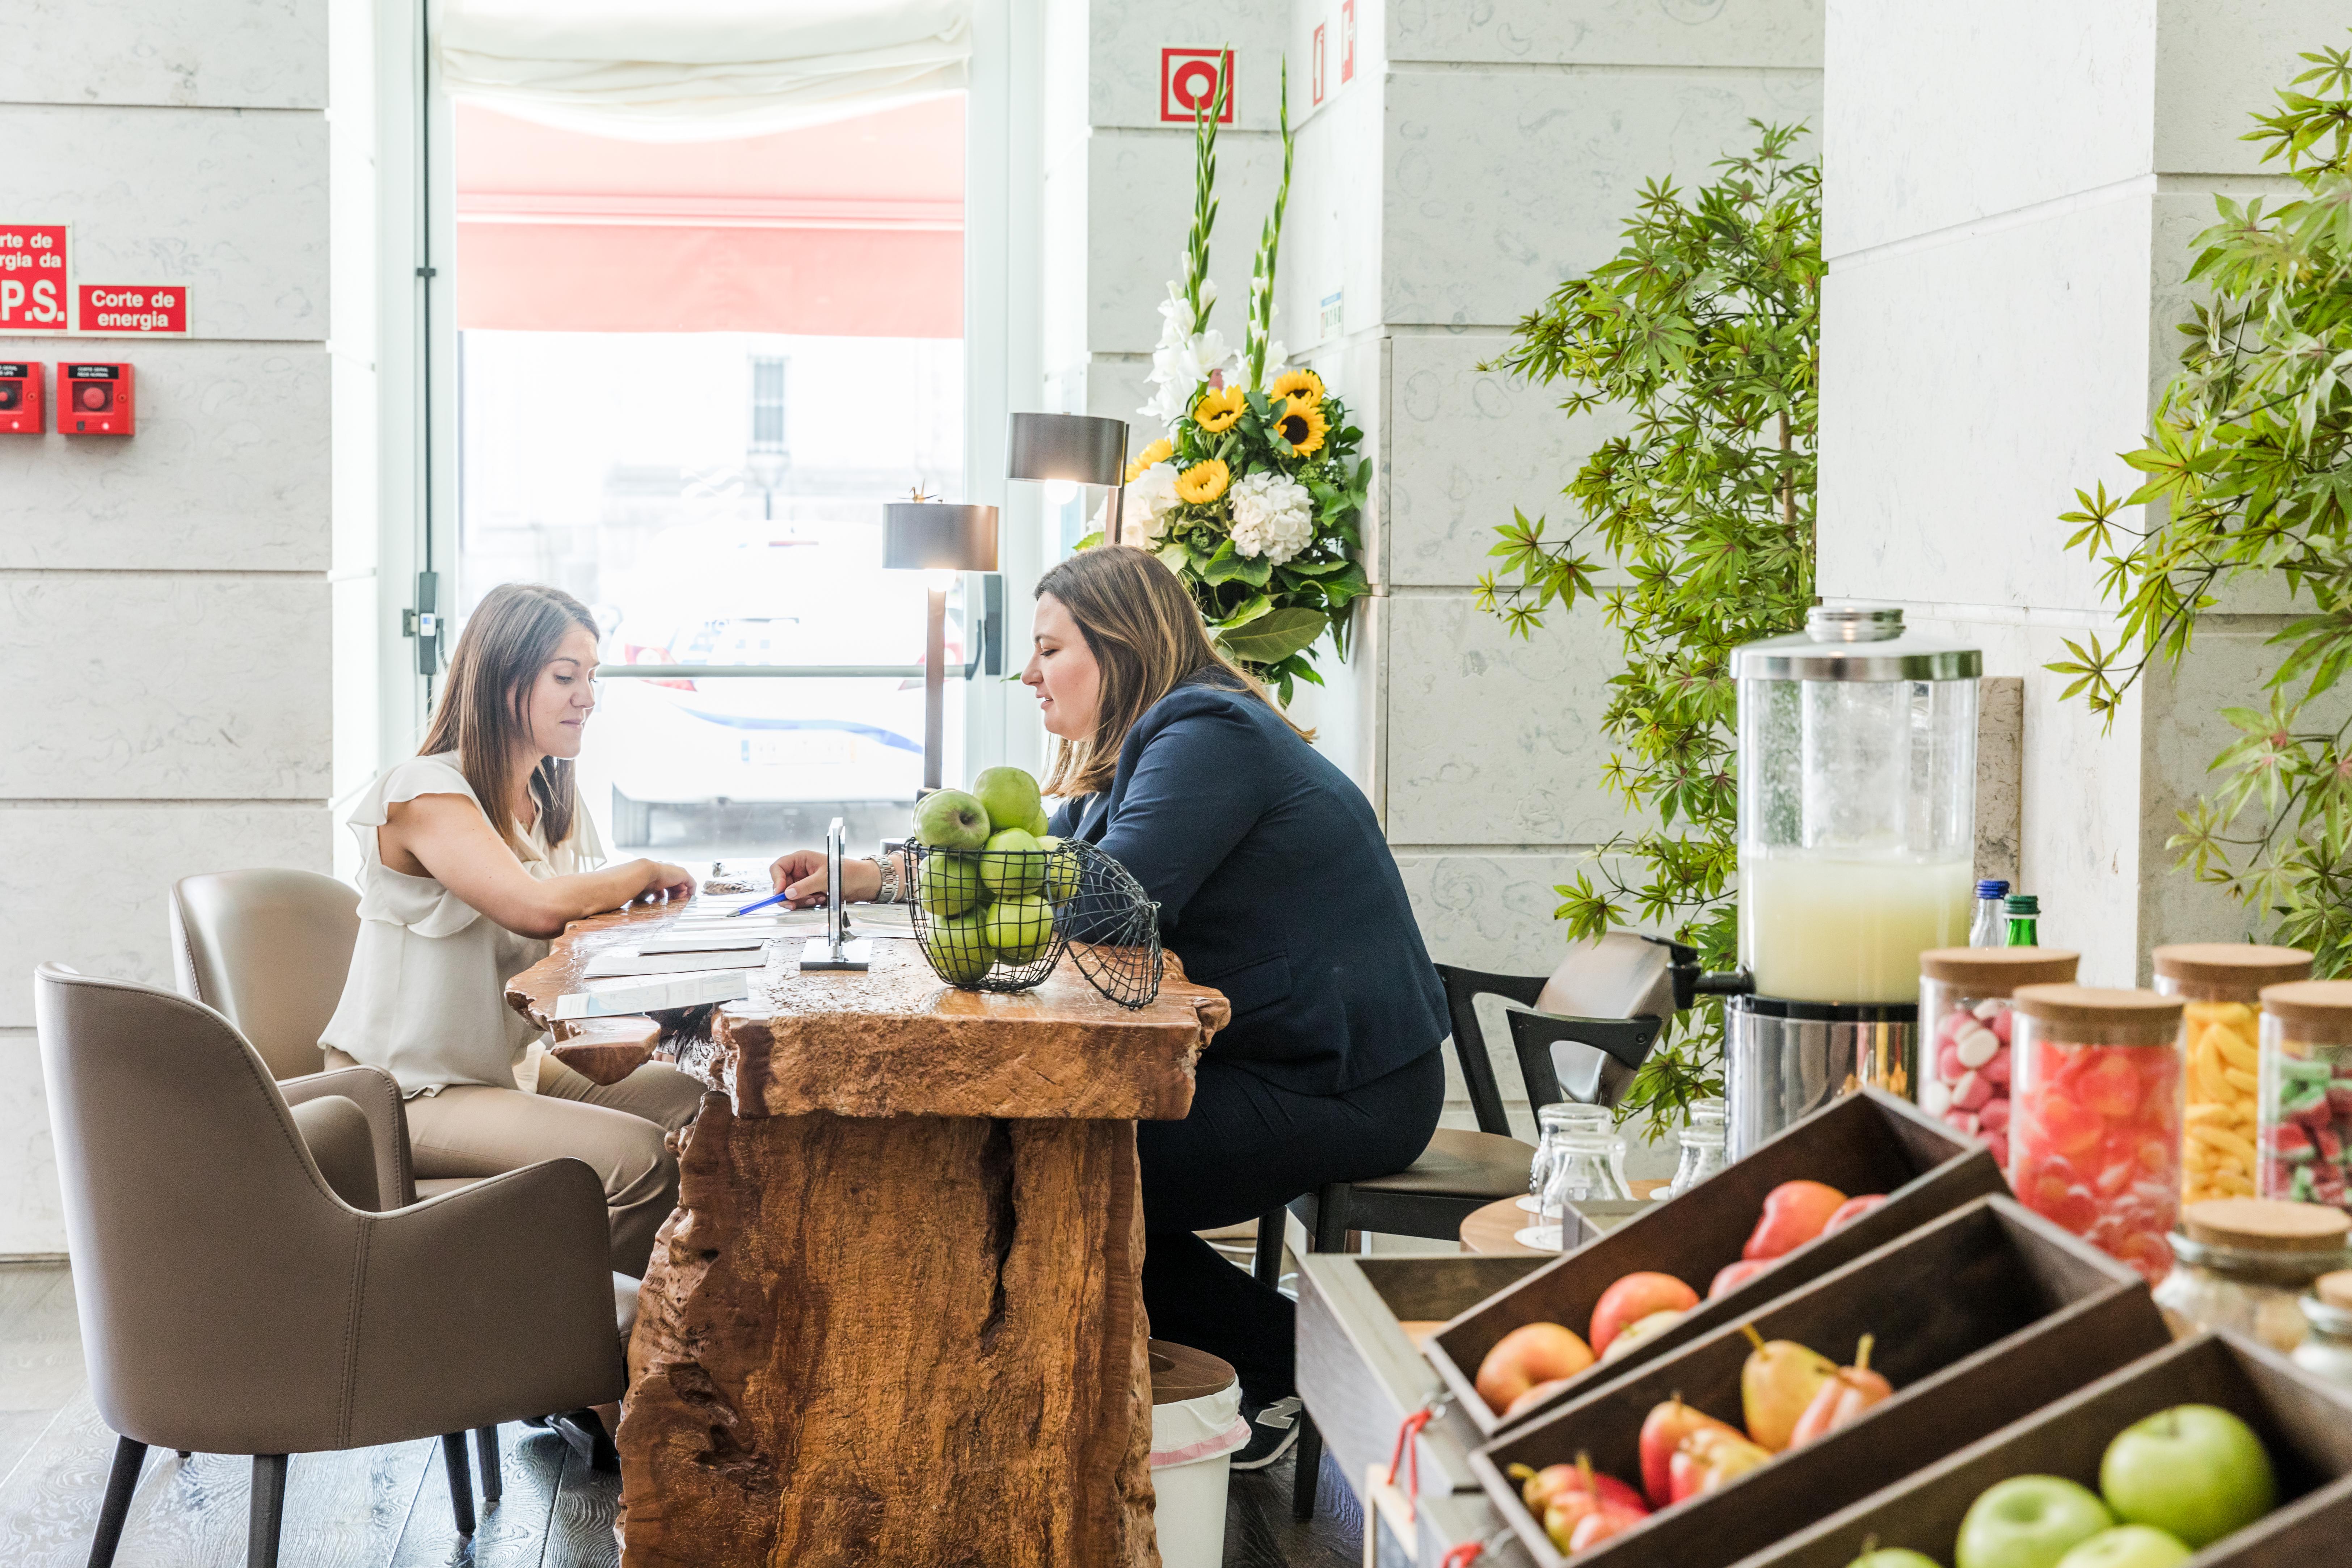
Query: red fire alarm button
[95,399]
[20,399]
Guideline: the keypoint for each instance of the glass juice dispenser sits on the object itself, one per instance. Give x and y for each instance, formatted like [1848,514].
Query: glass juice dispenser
[1857,842]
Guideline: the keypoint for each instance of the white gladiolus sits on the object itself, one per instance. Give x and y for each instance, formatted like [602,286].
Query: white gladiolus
[1274,516]
[1184,360]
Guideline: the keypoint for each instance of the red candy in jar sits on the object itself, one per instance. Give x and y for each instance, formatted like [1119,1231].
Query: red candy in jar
[2094,1117]
[1967,1060]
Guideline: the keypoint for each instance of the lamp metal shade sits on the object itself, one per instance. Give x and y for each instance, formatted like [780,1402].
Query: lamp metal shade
[938,536]
[1082,447]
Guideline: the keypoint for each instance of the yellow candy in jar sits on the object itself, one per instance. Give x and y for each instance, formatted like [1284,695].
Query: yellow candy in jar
[2220,1042]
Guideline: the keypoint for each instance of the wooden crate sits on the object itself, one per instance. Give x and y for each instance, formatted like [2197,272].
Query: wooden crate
[1980,1317]
[2306,1424]
[1359,1373]
[1863,1143]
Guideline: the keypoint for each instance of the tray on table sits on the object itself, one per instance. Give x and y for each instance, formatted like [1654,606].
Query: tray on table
[1866,1142]
[1980,1318]
[2306,1425]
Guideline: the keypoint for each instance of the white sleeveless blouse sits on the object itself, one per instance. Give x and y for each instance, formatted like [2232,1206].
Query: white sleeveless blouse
[425,1000]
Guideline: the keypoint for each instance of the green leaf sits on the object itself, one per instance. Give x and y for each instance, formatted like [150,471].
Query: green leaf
[1275,636]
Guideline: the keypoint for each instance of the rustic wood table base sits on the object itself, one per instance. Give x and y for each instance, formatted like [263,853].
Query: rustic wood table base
[896,1317]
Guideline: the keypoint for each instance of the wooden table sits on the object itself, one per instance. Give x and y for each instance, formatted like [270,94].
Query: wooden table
[1493,1231]
[897,1316]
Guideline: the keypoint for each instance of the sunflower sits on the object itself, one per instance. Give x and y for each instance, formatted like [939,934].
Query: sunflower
[1301,386]
[1300,427]
[1203,482]
[1160,451]
[1218,409]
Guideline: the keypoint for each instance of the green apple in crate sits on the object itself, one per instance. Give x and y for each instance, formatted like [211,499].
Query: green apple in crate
[2029,1521]
[950,819]
[1013,867]
[2194,1471]
[2128,1546]
[1894,1557]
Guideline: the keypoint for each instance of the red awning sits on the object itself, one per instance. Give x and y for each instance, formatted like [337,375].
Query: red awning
[849,230]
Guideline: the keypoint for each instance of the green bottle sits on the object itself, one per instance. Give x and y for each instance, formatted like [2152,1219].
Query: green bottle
[2024,912]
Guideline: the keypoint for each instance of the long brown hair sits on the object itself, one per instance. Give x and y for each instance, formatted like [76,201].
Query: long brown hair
[1146,638]
[484,708]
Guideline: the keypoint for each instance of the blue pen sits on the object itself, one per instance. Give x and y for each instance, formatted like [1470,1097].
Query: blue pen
[764,903]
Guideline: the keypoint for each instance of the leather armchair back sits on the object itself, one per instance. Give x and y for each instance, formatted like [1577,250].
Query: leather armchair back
[269,948]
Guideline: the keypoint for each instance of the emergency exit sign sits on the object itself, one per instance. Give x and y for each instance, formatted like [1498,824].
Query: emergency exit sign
[33,270]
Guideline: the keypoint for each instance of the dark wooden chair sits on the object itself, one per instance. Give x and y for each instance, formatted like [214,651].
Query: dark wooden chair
[1461,1172]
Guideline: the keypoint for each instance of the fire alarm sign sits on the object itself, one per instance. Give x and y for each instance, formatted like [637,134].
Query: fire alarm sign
[1188,83]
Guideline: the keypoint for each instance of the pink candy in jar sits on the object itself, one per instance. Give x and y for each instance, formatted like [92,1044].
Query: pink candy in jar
[1964,1015]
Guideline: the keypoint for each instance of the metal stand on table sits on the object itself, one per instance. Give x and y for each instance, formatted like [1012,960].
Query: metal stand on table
[834,950]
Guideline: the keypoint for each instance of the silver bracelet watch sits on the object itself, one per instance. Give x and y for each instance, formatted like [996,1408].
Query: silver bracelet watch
[888,892]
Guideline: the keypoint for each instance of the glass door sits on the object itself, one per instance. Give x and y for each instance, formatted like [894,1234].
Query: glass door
[690,375]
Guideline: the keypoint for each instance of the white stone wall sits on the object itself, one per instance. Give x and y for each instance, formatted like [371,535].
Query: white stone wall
[2011,190]
[165,606]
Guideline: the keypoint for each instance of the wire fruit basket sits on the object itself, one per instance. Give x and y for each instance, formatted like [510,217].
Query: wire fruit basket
[1001,919]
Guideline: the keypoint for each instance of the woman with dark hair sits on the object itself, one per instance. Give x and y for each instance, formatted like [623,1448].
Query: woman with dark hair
[1276,887]
[473,853]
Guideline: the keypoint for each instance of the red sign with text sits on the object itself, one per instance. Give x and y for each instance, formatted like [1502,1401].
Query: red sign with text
[33,275]
[1317,72]
[133,309]
[1347,41]
[1188,82]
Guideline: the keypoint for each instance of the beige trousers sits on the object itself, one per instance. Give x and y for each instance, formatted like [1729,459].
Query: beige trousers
[620,1130]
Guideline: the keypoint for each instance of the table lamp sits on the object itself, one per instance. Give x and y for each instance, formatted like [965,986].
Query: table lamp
[936,537]
[1082,447]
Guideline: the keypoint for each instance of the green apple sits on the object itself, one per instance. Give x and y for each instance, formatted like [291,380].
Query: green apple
[1020,928]
[1040,825]
[1013,868]
[2195,1470]
[949,884]
[958,948]
[2028,1522]
[2128,1546]
[950,819]
[1010,795]
[1894,1557]
[1061,869]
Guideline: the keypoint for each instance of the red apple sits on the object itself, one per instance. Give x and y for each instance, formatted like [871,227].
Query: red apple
[1529,1354]
[1635,1297]
[1732,1276]
[1851,1210]
[1663,1432]
[1794,1213]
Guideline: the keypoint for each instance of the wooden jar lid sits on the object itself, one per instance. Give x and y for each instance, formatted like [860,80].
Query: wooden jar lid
[1998,970]
[2238,965]
[1179,1372]
[2314,1010]
[2268,1224]
[2335,1289]
[2090,1007]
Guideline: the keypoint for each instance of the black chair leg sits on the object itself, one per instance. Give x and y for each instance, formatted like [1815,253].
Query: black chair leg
[1308,1458]
[1331,1217]
[121,1482]
[1265,1267]
[461,1484]
[486,1451]
[268,1511]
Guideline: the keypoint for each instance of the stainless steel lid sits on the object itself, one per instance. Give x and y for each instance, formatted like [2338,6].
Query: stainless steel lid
[1855,642]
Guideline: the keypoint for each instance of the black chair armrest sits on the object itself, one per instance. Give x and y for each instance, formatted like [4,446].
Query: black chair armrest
[1627,1042]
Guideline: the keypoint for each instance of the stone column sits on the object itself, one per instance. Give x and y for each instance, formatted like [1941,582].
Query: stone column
[2011,188]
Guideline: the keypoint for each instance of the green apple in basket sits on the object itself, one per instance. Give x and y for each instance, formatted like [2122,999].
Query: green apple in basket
[958,948]
[1013,867]
[948,884]
[1020,929]
[1061,869]
[950,819]
[1010,795]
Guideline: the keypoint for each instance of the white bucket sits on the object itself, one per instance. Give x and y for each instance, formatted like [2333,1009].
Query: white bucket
[1192,1444]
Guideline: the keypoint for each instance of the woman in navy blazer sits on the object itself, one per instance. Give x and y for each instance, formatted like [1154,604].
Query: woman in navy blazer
[1275,885]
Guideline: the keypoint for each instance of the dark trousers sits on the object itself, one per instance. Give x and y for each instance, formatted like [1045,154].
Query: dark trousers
[1248,1147]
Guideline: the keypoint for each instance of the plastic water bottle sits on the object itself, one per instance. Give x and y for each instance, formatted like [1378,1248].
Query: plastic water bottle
[1990,927]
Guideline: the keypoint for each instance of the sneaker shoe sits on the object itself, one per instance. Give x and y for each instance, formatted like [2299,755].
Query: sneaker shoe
[1274,1428]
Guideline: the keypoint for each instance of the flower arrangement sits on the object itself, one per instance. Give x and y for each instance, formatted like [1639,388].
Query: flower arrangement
[1253,495]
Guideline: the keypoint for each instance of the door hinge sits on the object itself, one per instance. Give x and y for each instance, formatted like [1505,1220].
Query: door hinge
[423,622]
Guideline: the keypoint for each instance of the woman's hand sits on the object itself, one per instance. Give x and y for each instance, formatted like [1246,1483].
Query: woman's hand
[801,874]
[665,880]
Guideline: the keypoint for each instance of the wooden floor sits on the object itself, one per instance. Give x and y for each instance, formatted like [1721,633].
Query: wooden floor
[388,1507]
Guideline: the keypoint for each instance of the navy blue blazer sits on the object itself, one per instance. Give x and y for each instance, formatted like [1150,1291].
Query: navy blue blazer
[1275,885]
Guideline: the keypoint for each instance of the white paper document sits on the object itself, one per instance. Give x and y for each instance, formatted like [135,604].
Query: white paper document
[708,942]
[652,993]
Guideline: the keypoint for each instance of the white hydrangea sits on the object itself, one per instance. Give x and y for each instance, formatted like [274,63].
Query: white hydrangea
[1150,500]
[1274,516]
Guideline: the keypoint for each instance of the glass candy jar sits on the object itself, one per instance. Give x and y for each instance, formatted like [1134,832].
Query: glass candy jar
[2242,1264]
[1963,1076]
[2221,981]
[2304,1092]
[2326,1351]
[1702,1149]
[1552,1123]
[1584,1171]
[2094,1120]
